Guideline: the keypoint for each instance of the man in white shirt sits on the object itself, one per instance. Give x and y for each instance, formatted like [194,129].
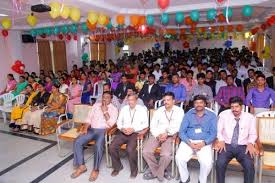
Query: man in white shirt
[132,119]
[222,81]
[165,123]
[157,72]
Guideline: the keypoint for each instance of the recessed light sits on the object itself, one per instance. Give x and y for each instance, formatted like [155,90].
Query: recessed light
[3,15]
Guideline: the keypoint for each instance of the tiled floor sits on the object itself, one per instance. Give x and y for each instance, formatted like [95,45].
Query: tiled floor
[28,158]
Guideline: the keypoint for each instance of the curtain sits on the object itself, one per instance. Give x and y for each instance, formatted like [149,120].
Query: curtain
[260,45]
[94,51]
[59,55]
[44,54]
[102,52]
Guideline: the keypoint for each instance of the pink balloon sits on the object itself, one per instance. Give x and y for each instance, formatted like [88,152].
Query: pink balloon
[163,4]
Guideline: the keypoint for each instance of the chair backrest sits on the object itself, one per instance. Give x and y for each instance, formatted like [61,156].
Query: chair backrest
[266,130]
[216,108]
[158,103]
[266,114]
[8,98]
[81,113]
[97,89]
[151,113]
[20,99]
[66,102]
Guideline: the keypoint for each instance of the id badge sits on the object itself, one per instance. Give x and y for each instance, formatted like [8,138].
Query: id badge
[198,130]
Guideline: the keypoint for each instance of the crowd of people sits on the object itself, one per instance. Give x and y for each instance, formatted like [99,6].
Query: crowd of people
[121,92]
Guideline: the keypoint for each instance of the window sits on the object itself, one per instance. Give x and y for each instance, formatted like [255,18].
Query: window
[125,50]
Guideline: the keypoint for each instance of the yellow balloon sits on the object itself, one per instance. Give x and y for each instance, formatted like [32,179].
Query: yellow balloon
[55,9]
[32,20]
[75,14]
[6,23]
[65,12]
[92,17]
[102,19]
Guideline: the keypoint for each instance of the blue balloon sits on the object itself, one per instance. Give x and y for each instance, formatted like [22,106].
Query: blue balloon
[164,18]
[230,12]
[64,29]
[247,11]
[56,30]
[211,14]
[157,45]
[179,17]
[150,20]
[228,43]
[195,15]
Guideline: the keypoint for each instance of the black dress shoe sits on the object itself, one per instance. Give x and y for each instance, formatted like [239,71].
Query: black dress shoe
[116,172]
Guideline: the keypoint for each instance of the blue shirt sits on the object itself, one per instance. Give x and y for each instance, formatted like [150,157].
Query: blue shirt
[179,91]
[195,128]
[260,99]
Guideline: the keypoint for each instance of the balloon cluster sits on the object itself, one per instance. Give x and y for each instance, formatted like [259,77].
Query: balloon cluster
[18,67]
[6,23]
[64,11]
[85,57]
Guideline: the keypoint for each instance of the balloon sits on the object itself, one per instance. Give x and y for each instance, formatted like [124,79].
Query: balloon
[164,18]
[221,28]
[85,57]
[239,28]
[247,11]
[202,29]
[92,17]
[55,9]
[230,28]
[6,23]
[84,28]
[48,31]
[40,31]
[150,20]
[120,19]
[195,15]
[33,32]
[32,20]
[75,37]
[179,17]
[221,18]
[109,25]
[254,30]
[65,13]
[102,19]
[263,26]
[73,28]
[186,44]
[188,21]
[64,29]
[56,30]
[142,20]
[90,26]
[75,14]
[134,19]
[211,14]
[68,37]
[163,4]
[230,12]
[5,33]
[60,36]
[107,21]
[212,29]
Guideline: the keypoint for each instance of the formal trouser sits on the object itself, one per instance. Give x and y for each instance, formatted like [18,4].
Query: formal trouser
[259,110]
[131,141]
[244,159]
[185,153]
[158,167]
[93,134]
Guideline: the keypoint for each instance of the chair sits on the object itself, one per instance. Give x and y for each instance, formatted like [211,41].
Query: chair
[266,134]
[7,105]
[159,103]
[97,90]
[216,108]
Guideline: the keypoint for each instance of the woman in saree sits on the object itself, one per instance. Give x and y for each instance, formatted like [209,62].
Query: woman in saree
[18,111]
[86,93]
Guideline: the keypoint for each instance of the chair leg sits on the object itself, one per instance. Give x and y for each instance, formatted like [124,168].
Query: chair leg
[138,156]
[260,169]
[4,117]
[173,159]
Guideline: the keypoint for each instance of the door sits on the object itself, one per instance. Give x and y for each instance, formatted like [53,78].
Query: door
[44,55]
[59,55]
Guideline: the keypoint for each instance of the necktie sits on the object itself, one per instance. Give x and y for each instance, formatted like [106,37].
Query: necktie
[235,137]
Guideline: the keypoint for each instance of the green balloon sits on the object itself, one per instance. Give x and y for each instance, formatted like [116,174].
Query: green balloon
[56,30]
[85,57]
[230,12]
[195,15]
[84,27]
[64,29]
[33,32]
[48,31]
[211,14]
[247,11]
[109,25]
[164,18]
[179,17]
[40,31]
[73,28]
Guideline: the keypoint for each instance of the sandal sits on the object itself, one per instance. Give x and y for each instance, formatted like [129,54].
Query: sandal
[78,172]
[167,175]
[149,176]
[93,176]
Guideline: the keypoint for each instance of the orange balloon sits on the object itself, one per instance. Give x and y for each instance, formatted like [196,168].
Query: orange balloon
[188,20]
[194,25]
[239,28]
[221,18]
[90,26]
[171,31]
[192,30]
[230,28]
[221,28]
[107,21]
[202,29]
[120,19]
[142,20]
[182,31]
[134,19]
[212,29]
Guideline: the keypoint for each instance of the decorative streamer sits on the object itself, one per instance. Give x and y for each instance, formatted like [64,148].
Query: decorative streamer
[227,7]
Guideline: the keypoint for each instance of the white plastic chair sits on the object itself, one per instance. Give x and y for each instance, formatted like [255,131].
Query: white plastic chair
[97,91]
[7,105]
[20,99]
[159,103]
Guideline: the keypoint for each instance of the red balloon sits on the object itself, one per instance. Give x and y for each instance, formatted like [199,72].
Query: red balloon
[221,28]
[5,33]
[43,36]
[68,37]
[188,21]
[18,62]
[220,1]
[75,37]
[185,44]
[13,68]
[60,36]
[263,26]
[221,18]
[239,28]
[230,28]
[254,30]
[163,4]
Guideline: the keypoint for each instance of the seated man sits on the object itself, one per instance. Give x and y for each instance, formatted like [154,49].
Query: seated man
[150,92]
[121,90]
[130,91]
[132,119]
[197,132]
[102,116]
[165,123]
[236,136]
[115,101]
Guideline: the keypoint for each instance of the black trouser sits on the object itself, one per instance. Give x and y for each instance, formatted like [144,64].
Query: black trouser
[244,159]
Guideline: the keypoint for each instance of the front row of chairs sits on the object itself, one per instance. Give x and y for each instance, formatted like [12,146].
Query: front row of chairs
[266,132]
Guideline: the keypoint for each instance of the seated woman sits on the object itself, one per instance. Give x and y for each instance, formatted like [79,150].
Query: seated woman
[86,93]
[11,84]
[74,95]
[36,109]
[49,84]
[63,86]
[55,106]
[18,111]
[20,86]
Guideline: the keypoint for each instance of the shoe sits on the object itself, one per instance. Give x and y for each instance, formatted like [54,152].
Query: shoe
[188,180]
[148,176]
[167,175]
[93,175]
[160,179]
[134,174]
[12,125]
[116,172]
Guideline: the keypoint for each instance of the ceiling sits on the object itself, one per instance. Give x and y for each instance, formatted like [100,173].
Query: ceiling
[262,9]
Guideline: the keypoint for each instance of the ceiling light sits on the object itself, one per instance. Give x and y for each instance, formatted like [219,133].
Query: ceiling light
[3,15]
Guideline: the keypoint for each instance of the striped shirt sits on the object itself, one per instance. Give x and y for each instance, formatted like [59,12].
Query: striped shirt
[226,92]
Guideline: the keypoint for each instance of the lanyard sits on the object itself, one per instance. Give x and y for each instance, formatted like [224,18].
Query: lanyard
[132,117]
[169,119]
